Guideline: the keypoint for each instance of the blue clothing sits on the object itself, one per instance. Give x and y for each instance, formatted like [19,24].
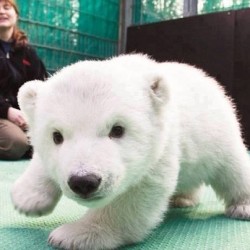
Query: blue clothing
[6,46]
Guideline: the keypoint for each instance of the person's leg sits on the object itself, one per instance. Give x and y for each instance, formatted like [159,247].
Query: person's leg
[13,141]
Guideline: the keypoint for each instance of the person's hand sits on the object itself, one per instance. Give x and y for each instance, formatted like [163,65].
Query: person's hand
[16,116]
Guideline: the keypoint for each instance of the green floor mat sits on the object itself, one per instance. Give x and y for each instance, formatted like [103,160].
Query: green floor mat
[203,228]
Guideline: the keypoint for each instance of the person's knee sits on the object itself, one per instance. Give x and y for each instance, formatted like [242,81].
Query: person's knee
[14,149]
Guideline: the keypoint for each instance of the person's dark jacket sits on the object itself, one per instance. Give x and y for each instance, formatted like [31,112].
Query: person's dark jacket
[19,66]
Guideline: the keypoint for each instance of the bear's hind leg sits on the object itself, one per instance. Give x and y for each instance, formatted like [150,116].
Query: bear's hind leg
[231,182]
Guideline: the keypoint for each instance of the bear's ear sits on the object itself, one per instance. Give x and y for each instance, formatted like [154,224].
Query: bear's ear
[27,97]
[159,92]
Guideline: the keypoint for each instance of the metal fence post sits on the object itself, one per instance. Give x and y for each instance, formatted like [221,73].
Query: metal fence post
[190,8]
[125,20]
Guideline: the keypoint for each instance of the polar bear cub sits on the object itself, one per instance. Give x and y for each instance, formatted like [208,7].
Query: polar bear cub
[126,137]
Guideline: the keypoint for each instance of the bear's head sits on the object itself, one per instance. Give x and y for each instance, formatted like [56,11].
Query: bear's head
[97,126]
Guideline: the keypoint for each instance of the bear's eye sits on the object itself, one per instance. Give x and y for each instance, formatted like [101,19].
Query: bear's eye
[57,138]
[116,132]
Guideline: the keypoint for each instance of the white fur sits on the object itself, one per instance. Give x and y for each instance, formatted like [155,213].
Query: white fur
[180,131]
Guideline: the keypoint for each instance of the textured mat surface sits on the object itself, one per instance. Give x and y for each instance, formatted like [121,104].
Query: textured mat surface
[203,227]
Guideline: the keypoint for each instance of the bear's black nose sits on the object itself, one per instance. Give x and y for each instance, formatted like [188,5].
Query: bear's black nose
[84,185]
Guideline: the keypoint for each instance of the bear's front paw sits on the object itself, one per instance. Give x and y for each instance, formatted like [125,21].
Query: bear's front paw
[34,201]
[83,236]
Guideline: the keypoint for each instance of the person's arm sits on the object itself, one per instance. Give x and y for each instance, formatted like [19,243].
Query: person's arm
[38,70]
[4,106]
[16,116]
[12,114]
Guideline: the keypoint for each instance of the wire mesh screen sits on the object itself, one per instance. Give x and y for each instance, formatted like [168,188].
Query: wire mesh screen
[207,6]
[148,11]
[65,31]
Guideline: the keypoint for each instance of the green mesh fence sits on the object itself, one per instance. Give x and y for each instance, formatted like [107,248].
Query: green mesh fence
[221,5]
[148,11]
[65,31]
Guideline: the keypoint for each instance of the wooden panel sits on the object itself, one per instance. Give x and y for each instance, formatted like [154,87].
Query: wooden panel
[205,41]
[241,88]
[219,43]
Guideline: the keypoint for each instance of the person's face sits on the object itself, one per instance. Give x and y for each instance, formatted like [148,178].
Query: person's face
[8,15]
